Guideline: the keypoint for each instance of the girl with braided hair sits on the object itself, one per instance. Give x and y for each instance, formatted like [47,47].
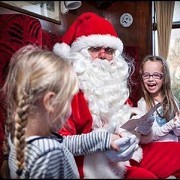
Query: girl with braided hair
[39,88]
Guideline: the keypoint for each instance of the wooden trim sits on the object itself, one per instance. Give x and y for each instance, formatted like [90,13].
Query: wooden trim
[175,25]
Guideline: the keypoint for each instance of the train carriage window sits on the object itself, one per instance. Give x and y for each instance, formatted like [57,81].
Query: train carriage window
[173,58]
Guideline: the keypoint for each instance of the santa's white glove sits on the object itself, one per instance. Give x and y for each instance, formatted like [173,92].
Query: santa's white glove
[144,127]
[127,147]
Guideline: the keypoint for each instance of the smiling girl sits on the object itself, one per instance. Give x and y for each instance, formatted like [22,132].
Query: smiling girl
[161,153]
[156,87]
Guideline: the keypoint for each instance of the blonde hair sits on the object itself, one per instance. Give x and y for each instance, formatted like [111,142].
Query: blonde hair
[168,99]
[33,72]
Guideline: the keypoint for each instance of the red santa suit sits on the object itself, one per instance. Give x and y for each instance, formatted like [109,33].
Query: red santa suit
[101,104]
[80,122]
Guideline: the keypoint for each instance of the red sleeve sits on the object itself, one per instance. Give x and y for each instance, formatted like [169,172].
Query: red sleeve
[80,120]
[128,101]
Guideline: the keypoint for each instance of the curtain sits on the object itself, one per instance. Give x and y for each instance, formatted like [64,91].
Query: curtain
[164,17]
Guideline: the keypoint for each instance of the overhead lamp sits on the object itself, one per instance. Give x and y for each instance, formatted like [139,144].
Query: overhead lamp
[69,5]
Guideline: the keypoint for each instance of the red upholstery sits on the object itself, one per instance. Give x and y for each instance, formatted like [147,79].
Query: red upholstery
[48,40]
[17,30]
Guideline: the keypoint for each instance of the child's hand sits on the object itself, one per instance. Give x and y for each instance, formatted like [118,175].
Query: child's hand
[126,147]
[177,119]
[114,137]
[173,124]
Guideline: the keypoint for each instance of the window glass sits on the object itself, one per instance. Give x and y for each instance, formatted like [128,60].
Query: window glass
[176,16]
[174,61]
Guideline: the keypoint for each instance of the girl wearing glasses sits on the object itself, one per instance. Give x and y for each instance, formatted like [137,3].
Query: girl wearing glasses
[162,145]
[156,87]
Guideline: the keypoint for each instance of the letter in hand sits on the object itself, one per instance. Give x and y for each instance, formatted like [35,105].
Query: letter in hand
[127,146]
[144,127]
[133,123]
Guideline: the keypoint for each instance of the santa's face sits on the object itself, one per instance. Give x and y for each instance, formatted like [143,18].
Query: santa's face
[104,84]
[101,53]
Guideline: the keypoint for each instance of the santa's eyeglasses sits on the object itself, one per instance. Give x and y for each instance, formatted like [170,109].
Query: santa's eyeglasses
[107,50]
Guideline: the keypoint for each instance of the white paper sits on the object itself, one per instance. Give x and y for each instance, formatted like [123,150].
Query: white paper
[132,123]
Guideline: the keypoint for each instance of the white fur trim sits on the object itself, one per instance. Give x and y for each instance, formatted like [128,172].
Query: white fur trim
[97,166]
[62,49]
[97,40]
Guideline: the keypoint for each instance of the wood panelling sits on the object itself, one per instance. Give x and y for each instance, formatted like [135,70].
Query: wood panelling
[139,33]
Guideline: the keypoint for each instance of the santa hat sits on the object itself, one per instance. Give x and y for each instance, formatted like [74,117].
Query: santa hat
[88,30]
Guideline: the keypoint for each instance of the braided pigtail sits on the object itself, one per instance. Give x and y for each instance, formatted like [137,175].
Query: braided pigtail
[21,117]
[5,172]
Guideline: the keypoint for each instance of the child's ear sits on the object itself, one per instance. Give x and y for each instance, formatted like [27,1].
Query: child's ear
[47,101]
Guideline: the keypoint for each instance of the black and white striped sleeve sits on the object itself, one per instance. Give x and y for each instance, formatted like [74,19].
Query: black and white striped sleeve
[87,143]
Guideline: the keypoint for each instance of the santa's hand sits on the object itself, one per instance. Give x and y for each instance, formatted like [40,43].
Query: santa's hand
[144,127]
[127,146]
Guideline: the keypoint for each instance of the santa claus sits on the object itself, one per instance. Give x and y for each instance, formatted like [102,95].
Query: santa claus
[94,49]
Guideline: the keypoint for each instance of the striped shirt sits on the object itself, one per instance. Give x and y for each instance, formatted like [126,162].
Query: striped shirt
[53,157]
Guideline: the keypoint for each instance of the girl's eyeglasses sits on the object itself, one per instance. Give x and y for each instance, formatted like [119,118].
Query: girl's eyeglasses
[155,75]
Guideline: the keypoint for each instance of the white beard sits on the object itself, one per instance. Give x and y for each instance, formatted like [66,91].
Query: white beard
[105,88]
[104,85]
